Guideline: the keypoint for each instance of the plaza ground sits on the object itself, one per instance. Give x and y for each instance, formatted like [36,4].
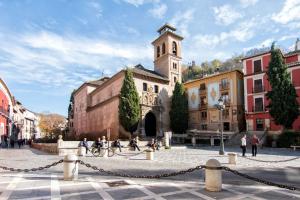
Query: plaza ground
[49,184]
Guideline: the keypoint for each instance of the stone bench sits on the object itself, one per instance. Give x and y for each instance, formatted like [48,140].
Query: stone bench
[295,147]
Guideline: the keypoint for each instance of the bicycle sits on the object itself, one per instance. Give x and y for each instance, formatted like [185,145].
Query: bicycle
[99,152]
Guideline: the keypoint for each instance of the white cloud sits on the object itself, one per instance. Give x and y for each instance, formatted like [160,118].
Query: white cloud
[247,3]
[226,15]
[138,3]
[181,20]
[289,13]
[159,10]
[243,32]
[57,60]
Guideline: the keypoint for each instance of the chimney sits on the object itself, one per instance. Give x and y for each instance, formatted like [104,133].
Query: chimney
[297,45]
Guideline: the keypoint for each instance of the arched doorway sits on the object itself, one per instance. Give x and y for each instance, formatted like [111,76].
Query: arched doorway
[150,124]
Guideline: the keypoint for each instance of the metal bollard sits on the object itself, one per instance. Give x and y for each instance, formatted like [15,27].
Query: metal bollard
[232,158]
[149,154]
[70,167]
[213,177]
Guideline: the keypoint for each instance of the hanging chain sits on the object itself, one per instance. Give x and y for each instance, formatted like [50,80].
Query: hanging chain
[32,169]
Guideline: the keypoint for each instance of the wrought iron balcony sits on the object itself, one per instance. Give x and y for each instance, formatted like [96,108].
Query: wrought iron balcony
[224,86]
[258,89]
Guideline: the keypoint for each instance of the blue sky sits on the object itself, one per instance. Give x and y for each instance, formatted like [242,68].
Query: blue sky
[48,48]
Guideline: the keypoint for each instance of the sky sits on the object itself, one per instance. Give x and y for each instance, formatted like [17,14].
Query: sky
[49,48]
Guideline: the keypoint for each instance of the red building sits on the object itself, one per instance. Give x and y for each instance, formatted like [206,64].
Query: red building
[257,85]
[6,102]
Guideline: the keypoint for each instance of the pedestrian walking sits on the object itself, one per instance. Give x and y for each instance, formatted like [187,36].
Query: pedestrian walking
[254,142]
[244,144]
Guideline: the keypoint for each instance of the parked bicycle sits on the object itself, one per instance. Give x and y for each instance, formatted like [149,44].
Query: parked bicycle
[99,152]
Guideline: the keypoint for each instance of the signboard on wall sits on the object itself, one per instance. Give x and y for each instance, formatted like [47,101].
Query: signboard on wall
[193,94]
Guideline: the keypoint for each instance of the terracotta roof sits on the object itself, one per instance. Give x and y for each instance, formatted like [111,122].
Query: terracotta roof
[139,69]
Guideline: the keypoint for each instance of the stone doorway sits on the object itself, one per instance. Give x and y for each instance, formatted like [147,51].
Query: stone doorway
[150,125]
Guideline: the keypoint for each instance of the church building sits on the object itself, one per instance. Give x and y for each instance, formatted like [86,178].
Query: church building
[96,102]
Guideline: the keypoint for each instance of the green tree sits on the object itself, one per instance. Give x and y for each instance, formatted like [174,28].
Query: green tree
[283,97]
[179,110]
[129,107]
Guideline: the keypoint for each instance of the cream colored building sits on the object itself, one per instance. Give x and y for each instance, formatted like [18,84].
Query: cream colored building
[96,103]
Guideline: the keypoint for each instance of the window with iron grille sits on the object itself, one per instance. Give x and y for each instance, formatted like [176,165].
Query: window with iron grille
[257,66]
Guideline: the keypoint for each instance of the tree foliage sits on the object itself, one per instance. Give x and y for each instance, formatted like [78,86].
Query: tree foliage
[283,97]
[207,68]
[179,110]
[51,125]
[129,106]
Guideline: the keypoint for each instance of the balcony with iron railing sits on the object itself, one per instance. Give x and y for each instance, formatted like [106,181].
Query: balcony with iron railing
[203,106]
[224,86]
[258,89]
[202,91]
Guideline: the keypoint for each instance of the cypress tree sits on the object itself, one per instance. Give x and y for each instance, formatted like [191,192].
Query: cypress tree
[283,97]
[129,106]
[179,110]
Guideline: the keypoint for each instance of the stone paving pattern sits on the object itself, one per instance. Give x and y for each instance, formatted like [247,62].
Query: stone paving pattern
[48,184]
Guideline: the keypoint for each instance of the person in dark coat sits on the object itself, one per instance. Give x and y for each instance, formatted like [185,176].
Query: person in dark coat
[85,144]
[133,143]
[117,144]
[254,143]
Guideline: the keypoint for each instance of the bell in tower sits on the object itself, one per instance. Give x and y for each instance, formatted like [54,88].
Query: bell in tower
[167,53]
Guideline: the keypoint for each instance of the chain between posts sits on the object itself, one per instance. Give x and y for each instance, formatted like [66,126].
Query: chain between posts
[32,169]
[164,175]
[271,161]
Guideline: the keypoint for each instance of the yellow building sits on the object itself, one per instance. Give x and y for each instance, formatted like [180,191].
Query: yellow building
[203,95]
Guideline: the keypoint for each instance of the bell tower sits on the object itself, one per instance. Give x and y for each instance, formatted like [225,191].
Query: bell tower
[167,54]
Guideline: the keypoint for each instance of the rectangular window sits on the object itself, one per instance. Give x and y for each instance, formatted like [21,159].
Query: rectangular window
[259,124]
[257,66]
[203,101]
[202,86]
[203,115]
[225,97]
[224,84]
[174,66]
[145,87]
[156,88]
[259,107]
[258,87]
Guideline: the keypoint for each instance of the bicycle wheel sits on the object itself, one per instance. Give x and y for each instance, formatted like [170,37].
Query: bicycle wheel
[111,152]
[96,152]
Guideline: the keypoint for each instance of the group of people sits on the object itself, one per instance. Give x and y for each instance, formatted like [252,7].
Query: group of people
[133,143]
[254,144]
[100,143]
[10,142]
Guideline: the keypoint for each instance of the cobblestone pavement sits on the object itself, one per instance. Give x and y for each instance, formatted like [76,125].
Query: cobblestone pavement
[48,184]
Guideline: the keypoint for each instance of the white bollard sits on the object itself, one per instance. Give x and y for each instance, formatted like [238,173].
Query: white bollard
[167,140]
[232,158]
[149,154]
[213,177]
[81,151]
[212,141]
[193,141]
[70,167]
[105,152]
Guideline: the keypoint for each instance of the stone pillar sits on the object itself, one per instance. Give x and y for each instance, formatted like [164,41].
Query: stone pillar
[70,167]
[232,158]
[212,141]
[60,143]
[81,151]
[213,177]
[167,140]
[193,141]
[149,154]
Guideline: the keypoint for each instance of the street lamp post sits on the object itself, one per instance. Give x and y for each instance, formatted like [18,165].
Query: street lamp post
[221,107]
